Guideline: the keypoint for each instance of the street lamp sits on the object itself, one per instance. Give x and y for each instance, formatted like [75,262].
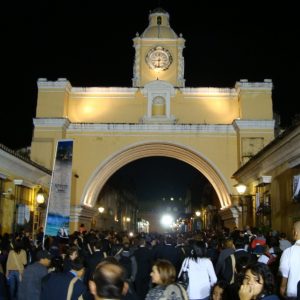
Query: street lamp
[241,188]
[38,210]
[198,213]
[40,198]
[101,209]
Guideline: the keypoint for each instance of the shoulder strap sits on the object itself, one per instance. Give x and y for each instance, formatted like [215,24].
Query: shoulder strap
[233,262]
[170,289]
[184,266]
[71,287]
[119,252]
[182,291]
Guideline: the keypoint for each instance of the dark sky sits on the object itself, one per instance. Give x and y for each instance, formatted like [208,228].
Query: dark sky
[90,43]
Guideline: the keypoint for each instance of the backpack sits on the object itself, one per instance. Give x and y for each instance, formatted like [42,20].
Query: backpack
[125,261]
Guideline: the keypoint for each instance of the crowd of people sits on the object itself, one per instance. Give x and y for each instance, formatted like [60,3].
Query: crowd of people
[240,264]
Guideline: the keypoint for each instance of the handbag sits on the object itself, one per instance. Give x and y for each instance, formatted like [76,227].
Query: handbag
[183,277]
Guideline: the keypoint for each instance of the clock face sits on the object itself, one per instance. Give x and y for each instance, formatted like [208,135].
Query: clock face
[159,59]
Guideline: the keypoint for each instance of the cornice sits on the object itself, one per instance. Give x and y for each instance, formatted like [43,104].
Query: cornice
[60,83]
[209,91]
[51,122]
[130,128]
[253,124]
[159,40]
[243,84]
[105,90]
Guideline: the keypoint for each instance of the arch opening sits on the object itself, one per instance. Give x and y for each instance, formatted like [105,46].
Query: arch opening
[162,149]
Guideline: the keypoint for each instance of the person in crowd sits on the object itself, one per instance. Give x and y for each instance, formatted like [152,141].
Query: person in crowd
[290,266]
[108,281]
[228,249]
[3,286]
[213,250]
[284,243]
[199,266]
[40,237]
[257,244]
[82,228]
[143,257]
[16,261]
[163,276]
[128,262]
[267,257]
[62,286]
[234,267]
[236,262]
[31,284]
[219,291]
[168,251]
[128,292]
[92,260]
[71,254]
[258,283]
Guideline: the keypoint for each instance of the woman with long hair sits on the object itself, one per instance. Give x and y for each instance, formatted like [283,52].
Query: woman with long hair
[200,270]
[163,276]
[16,261]
[258,283]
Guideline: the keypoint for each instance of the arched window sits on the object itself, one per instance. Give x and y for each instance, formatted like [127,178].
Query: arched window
[159,106]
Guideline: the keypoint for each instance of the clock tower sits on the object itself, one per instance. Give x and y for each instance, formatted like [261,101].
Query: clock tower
[158,53]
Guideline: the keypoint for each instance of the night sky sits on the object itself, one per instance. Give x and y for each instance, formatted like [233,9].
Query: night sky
[90,44]
[155,178]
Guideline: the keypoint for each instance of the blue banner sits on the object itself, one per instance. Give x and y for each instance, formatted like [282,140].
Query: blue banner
[58,209]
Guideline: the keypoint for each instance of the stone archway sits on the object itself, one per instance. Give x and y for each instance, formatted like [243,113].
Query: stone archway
[148,149]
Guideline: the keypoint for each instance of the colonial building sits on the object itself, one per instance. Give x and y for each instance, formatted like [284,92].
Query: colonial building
[20,182]
[272,181]
[215,130]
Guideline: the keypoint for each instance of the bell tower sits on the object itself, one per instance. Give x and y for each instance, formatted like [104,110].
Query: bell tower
[158,53]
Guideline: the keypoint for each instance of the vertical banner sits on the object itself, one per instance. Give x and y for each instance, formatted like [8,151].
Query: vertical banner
[58,209]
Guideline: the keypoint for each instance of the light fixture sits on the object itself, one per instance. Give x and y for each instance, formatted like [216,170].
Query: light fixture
[101,209]
[128,219]
[40,196]
[241,188]
[198,213]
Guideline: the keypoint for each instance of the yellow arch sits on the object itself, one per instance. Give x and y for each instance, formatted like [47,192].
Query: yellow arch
[148,149]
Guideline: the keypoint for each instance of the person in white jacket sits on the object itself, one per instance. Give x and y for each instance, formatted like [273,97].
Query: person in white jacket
[201,272]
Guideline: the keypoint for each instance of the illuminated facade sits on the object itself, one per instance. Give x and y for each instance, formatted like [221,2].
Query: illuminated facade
[215,130]
[20,182]
[272,180]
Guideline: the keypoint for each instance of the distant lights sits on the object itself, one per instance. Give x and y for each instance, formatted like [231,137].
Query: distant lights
[167,220]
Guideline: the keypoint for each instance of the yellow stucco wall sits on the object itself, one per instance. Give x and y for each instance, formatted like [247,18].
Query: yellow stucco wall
[210,109]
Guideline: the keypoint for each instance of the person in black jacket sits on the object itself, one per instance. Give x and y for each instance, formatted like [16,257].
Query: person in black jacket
[55,285]
[144,260]
[94,259]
